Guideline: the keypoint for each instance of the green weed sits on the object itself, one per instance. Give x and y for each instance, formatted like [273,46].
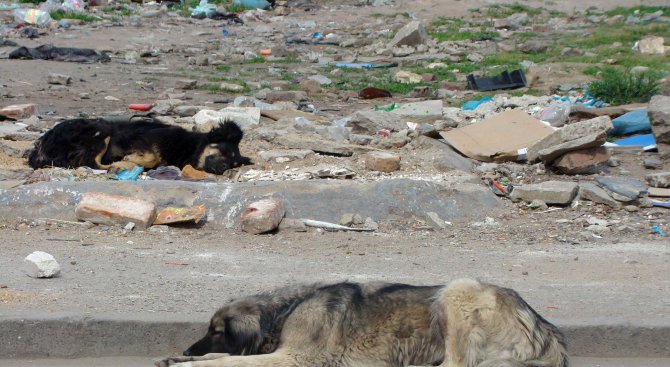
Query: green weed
[642,9]
[619,86]
[61,14]
[222,68]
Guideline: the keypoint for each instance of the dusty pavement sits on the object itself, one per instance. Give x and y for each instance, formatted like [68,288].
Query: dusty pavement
[597,270]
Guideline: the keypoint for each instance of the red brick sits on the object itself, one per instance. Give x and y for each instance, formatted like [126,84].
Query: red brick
[101,208]
[19,111]
[262,216]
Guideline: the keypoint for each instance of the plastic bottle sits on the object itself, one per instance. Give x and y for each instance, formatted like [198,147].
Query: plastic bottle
[32,16]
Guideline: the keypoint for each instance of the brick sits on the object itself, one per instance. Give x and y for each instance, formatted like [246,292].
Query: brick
[262,216]
[19,111]
[101,208]
[382,161]
[586,161]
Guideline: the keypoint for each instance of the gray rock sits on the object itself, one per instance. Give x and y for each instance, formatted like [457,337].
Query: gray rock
[186,84]
[660,180]
[59,79]
[360,139]
[653,163]
[14,173]
[659,115]
[370,122]
[337,133]
[16,149]
[551,192]
[435,221]
[592,192]
[517,20]
[40,264]
[623,189]
[534,47]
[425,110]
[347,219]
[187,111]
[318,144]
[577,136]
[292,96]
[412,34]
[321,79]
[442,155]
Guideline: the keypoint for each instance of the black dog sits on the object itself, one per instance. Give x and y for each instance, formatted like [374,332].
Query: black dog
[102,144]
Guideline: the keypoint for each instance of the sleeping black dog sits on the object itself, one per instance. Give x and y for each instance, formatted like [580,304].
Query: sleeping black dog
[102,144]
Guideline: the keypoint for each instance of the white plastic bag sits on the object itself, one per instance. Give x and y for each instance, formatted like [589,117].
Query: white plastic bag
[32,16]
[74,6]
[556,114]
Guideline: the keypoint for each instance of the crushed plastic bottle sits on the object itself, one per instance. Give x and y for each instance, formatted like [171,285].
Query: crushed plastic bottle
[32,16]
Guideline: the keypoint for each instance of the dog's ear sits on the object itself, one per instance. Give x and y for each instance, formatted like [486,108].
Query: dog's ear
[243,334]
[228,132]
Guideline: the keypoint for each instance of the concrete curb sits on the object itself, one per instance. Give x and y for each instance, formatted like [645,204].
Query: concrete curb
[394,200]
[72,337]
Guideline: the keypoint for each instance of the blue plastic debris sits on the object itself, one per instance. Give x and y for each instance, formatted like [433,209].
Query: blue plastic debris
[472,105]
[632,122]
[646,141]
[129,175]
[252,4]
[658,230]
[661,204]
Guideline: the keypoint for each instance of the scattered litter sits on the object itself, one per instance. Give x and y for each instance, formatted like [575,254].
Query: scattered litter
[556,114]
[646,142]
[140,107]
[202,9]
[32,16]
[658,230]
[389,108]
[503,137]
[506,80]
[50,52]
[632,122]
[165,173]
[333,226]
[180,215]
[661,204]
[253,4]
[366,65]
[473,104]
[129,175]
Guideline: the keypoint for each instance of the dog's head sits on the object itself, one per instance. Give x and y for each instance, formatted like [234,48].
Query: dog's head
[222,151]
[234,329]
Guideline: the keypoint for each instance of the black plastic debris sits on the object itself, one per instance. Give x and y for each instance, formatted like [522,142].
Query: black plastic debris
[506,80]
[49,52]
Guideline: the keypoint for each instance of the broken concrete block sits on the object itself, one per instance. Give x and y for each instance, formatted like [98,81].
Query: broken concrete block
[425,109]
[551,192]
[623,189]
[659,180]
[40,264]
[101,208]
[372,121]
[262,216]
[580,135]
[650,45]
[19,111]
[585,161]
[244,117]
[382,161]
[659,115]
[412,34]
[594,193]
[59,79]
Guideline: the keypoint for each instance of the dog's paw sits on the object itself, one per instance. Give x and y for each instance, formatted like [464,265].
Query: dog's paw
[120,166]
[173,361]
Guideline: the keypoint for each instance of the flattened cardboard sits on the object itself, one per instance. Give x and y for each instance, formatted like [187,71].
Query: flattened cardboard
[503,137]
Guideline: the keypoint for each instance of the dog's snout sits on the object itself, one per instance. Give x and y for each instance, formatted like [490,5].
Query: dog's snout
[187,352]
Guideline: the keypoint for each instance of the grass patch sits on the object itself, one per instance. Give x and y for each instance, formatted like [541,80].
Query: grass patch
[222,68]
[449,29]
[290,59]
[36,2]
[118,11]
[619,86]
[62,14]
[256,60]
[641,9]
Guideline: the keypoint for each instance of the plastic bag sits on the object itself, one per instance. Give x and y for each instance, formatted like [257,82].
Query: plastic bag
[556,114]
[74,6]
[203,8]
[32,16]
[51,5]
[252,4]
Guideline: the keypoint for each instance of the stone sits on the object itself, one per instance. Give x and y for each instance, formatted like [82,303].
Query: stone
[187,111]
[285,155]
[594,193]
[59,79]
[569,51]
[382,161]
[358,219]
[370,121]
[534,47]
[435,221]
[442,155]
[425,109]
[347,219]
[231,87]
[19,111]
[659,180]
[551,192]
[407,77]
[16,149]
[14,173]
[310,86]
[650,45]
[101,208]
[659,115]
[186,84]
[244,117]
[318,144]
[412,34]
[161,228]
[292,96]
[262,216]
[652,163]
[623,189]
[292,225]
[321,79]
[129,226]
[40,264]
[586,161]
[360,139]
[192,173]
[164,106]
[580,135]
[501,23]
[538,204]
